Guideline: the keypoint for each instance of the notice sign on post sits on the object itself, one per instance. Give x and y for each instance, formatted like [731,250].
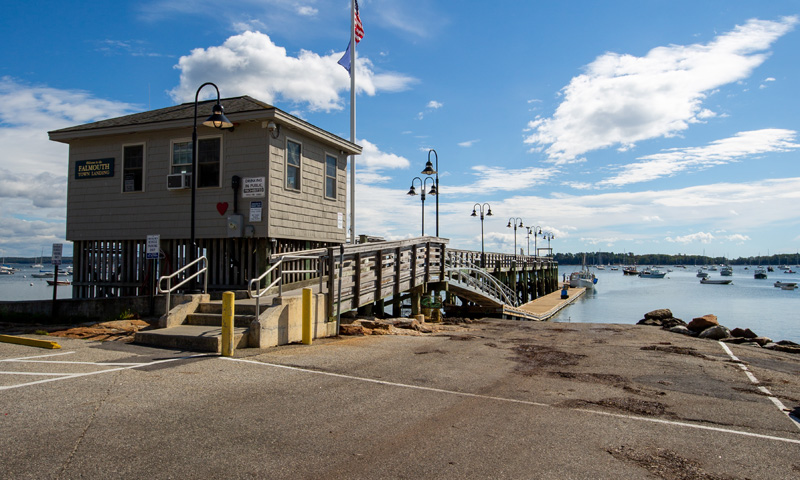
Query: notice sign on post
[254,187]
[153,242]
[56,256]
[255,211]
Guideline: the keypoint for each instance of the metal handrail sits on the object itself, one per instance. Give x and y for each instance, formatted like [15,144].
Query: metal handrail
[479,280]
[255,291]
[169,278]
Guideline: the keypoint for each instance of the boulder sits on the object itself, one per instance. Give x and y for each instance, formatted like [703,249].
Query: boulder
[735,340]
[660,314]
[762,340]
[717,332]
[787,343]
[680,329]
[701,323]
[375,325]
[743,333]
[673,322]
[649,321]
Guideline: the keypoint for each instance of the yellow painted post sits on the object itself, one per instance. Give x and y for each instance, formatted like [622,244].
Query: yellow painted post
[227,323]
[307,316]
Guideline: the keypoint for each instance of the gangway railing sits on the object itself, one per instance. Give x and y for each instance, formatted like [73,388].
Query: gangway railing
[181,271]
[462,272]
[254,289]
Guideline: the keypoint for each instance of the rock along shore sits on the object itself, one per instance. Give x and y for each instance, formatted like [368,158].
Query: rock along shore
[709,327]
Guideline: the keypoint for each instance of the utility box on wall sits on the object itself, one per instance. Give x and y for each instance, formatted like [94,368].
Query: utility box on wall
[235,226]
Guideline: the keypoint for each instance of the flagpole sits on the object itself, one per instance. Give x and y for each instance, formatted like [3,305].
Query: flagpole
[353,121]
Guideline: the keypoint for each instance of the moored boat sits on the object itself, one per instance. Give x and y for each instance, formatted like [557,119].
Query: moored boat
[57,282]
[701,273]
[780,284]
[726,271]
[652,273]
[715,281]
[760,273]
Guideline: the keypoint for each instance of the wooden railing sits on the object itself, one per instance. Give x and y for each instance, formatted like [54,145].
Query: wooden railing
[373,271]
[496,261]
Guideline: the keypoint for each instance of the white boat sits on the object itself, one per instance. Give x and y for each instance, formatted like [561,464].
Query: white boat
[39,263]
[788,287]
[760,273]
[780,284]
[4,270]
[583,278]
[715,282]
[652,273]
[726,271]
[43,275]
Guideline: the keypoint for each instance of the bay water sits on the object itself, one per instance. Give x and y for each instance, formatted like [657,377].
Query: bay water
[745,303]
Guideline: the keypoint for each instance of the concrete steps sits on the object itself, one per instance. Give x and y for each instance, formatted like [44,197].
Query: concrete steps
[194,338]
[202,329]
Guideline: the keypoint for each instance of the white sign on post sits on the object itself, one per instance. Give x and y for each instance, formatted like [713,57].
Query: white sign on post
[153,242]
[56,256]
[255,211]
[254,187]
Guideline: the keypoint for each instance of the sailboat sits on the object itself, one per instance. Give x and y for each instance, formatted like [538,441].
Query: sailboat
[39,263]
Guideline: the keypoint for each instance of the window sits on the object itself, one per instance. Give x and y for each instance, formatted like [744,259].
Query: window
[133,168]
[209,155]
[292,165]
[330,176]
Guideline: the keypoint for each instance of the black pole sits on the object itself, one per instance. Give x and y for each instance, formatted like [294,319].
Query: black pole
[55,292]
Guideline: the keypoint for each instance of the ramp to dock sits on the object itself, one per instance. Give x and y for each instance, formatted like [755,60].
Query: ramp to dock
[545,307]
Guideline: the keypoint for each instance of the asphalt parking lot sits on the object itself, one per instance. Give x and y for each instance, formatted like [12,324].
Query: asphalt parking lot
[497,399]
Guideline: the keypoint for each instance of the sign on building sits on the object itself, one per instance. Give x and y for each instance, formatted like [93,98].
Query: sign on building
[254,187]
[102,167]
[255,211]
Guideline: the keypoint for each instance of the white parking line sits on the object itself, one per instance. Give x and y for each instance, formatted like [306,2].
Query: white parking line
[66,376]
[761,388]
[524,402]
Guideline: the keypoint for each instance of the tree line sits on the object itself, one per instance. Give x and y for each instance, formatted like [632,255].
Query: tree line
[627,258]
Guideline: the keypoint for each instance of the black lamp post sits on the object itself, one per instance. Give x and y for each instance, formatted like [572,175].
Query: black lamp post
[216,120]
[536,231]
[549,236]
[513,221]
[429,170]
[488,214]
[422,185]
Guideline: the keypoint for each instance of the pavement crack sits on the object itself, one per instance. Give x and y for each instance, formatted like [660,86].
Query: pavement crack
[89,424]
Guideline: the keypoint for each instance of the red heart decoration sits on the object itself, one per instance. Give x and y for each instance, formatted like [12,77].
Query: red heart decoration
[222,207]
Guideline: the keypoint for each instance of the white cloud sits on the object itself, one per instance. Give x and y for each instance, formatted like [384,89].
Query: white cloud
[373,160]
[307,11]
[719,152]
[622,99]
[701,237]
[496,179]
[251,64]
[468,143]
[738,238]
[433,104]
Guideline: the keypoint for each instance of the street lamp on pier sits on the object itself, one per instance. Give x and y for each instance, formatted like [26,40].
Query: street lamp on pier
[549,236]
[513,222]
[536,231]
[413,192]
[429,170]
[216,120]
[488,214]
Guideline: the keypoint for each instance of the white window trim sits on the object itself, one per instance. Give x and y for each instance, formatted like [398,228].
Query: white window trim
[325,177]
[144,166]
[286,166]
[173,141]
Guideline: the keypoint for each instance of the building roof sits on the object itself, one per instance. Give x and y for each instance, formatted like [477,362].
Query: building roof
[237,109]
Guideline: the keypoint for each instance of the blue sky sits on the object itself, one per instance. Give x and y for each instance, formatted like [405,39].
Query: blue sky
[621,126]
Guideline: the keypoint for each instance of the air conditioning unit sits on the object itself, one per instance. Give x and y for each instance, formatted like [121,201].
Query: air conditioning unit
[179,181]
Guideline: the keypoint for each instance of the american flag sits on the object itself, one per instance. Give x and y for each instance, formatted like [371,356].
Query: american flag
[359,31]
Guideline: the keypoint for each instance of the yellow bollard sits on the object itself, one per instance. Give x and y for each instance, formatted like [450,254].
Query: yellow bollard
[227,323]
[307,316]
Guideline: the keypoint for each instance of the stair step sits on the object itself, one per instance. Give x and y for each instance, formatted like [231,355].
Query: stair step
[215,319]
[239,309]
[195,338]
